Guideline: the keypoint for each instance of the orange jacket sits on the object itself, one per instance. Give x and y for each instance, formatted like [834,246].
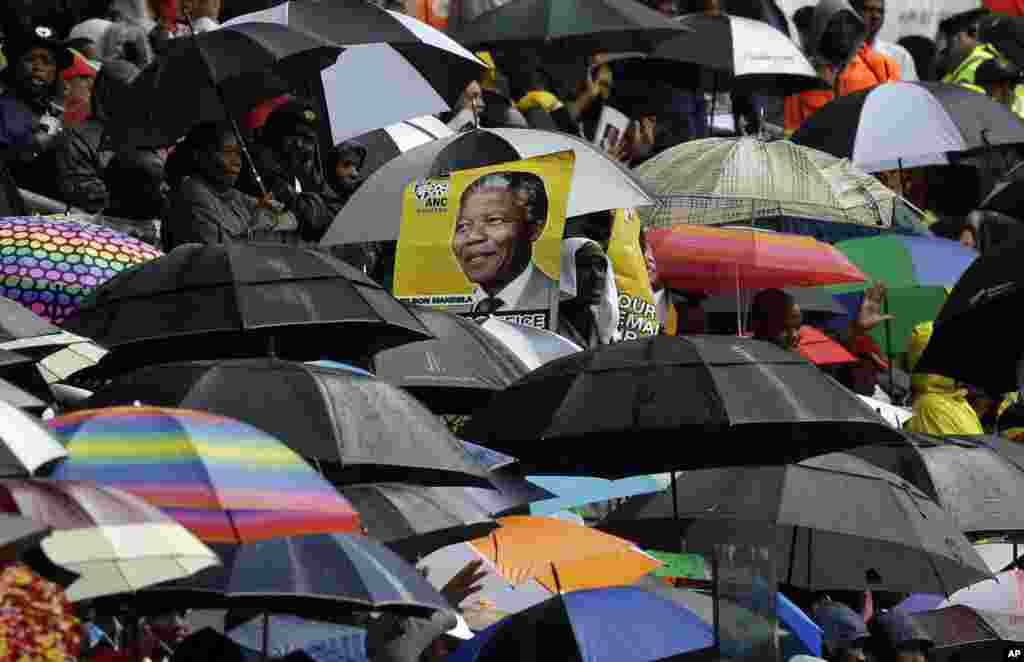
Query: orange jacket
[867,69]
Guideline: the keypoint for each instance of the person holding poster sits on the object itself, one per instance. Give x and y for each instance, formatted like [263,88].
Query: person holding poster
[487,241]
[638,314]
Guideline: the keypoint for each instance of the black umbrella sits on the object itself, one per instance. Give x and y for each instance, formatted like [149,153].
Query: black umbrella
[21,383]
[669,403]
[869,127]
[382,145]
[569,26]
[984,301]
[969,476]
[242,300]
[457,371]
[1007,196]
[443,63]
[839,523]
[19,535]
[180,89]
[814,302]
[18,322]
[415,521]
[357,429]
[965,633]
[310,576]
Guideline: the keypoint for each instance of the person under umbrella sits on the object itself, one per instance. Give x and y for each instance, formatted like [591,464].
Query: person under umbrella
[873,13]
[288,159]
[206,207]
[898,638]
[940,403]
[843,632]
[999,79]
[590,316]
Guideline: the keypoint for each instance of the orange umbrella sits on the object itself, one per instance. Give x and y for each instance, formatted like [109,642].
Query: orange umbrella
[819,349]
[560,555]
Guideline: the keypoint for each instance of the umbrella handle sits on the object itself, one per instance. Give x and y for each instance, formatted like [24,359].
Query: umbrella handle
[223,103]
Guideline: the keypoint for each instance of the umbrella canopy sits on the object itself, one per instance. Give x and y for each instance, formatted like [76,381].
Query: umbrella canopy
[1007,196]
[569,26]
[18,324]
[739,53]
[289,634]
[374,212]
[383,145]
[574,491]
[533,346]
[987,297]
[414,520]
[20,398]
[561,556]
[968,476]
[115,542]
[226,481]
[26,446]
[917,270]
[959,632]
[355,427]
[18,535]
[891,414]
[180,89]
[613,411]
[876,532]
[51,264]
[718,181]
[417,48]
[73,358]
[308,575]
[866,126]
[819,349]
[693,257]
[457,371]
[624,623]
[814,303]
[24,386]
[242,300]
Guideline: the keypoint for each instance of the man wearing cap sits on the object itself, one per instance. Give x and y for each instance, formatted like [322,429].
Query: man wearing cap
[30,118]
[844,634]
[288,159]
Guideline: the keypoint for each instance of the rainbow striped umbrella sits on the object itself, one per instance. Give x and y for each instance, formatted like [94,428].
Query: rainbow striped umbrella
[225,480]
[719,260]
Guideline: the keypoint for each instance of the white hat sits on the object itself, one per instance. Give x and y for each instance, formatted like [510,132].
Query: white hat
[461,630]
[92,29]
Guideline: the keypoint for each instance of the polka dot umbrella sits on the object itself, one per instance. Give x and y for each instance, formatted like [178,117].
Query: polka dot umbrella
[49,264]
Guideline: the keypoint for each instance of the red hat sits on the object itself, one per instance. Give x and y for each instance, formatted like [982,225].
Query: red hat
[79,67]
[864,346]
[257,117]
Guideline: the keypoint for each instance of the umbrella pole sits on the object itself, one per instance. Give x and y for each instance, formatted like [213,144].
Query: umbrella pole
[266,636]
[715,595]
[223,102]
[888,346]
[714,103]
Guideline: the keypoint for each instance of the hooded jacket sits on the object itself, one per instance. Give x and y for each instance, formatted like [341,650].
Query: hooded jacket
[863,69]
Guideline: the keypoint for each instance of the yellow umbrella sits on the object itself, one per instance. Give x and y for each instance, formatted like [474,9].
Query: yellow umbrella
[562,556]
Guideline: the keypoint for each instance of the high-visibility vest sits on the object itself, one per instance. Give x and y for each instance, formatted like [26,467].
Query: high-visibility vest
[964,75]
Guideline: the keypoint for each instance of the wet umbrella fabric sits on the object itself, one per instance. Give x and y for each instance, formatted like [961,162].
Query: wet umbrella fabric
[613,411]
[374,212]
[242,300]
[354,427]
[383,145]
[963,632]
[26,446]
[19,535]
[457,371]
[25,386]
[975,479]
[876,532]
[310,576]
[987,296]
[949,121]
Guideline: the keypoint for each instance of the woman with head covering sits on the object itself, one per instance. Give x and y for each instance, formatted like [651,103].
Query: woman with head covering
[940,403]
[206,207]
[589,312]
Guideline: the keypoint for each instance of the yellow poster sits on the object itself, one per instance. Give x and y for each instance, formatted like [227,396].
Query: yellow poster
[487,241]
[638,316]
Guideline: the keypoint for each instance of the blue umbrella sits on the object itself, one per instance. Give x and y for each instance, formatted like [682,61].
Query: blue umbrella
[323,642]
[620,624]
[575,491]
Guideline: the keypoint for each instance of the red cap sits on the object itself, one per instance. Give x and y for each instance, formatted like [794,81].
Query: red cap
[864,346]
[257,117]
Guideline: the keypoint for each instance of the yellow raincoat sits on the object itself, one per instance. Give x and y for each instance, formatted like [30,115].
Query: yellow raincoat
[940,404]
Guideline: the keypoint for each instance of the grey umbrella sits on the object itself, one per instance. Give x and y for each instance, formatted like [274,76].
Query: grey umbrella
[839,523]
[979,480]
[962,632]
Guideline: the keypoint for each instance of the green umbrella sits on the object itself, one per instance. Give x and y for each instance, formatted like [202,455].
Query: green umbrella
[686,566]
[918,272]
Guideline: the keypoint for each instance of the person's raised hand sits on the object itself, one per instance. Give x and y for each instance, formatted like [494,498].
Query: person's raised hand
[871,308]
[465,583]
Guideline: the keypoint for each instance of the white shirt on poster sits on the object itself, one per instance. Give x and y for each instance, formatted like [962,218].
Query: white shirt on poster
[530,290]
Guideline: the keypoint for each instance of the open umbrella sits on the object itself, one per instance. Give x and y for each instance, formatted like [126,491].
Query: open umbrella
[24,386]
[815,303]
[210,76]
[720,260]
[987,297]
[970,477]
[115,542]
[313,576]
[963,632]
[613,412]
[819,349]
[374,212]
[624,623]
[18,535]
[26,446]
[721,181]
[226,481]
[867,128]
[457,371]
[561,556]
[569,26]
[917,271]
[531,345]
[874,532]
[414,521]
[51,264]
[356,428]
[383,145]
[242,300]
